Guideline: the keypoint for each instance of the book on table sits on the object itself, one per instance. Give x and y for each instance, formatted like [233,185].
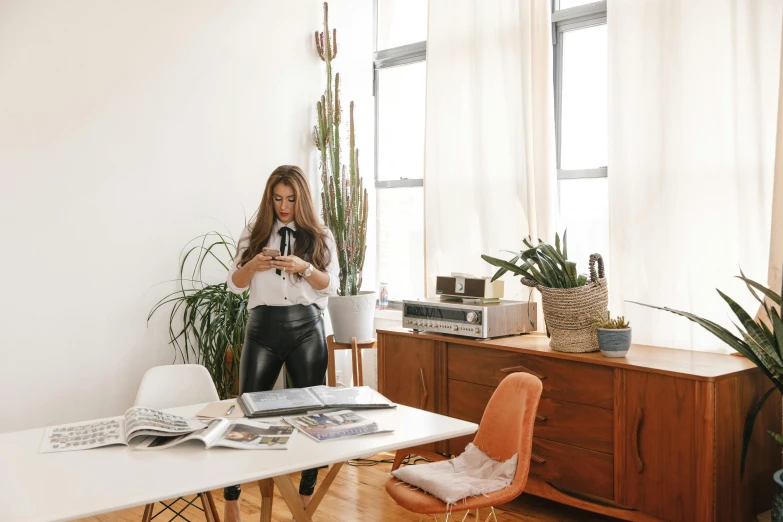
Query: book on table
[302,400]
[333,425]
[157,429]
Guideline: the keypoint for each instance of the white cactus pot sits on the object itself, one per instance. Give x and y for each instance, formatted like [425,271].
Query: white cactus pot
[352,316]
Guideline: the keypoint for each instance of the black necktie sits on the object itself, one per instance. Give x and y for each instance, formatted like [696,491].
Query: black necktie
[284,242]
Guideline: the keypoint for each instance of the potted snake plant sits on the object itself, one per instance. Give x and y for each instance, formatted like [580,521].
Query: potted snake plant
[344,203]
[207,320]
[569,300]
[761,341]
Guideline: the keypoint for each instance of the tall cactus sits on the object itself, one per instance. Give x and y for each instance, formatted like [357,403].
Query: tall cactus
[343,198]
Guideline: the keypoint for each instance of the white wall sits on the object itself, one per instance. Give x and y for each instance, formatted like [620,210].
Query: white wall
[127,128]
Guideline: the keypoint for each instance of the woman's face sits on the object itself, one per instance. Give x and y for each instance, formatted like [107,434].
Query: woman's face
[284,200]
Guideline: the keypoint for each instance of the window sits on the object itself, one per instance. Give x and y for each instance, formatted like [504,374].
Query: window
[400,81]
[581,115]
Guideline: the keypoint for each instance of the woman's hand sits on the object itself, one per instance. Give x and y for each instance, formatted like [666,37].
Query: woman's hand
[290,264]
[260,263]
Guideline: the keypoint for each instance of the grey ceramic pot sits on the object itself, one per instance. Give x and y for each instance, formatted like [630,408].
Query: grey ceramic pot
[614,343]
[777,501]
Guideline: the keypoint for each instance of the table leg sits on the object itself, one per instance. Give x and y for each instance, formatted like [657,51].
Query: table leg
[323,488]
[147,513]
[267,487]
[292,499]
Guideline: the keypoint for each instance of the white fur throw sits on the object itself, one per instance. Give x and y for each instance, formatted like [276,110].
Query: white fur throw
[472,473]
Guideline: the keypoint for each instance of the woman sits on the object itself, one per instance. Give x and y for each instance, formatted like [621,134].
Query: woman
[287,295]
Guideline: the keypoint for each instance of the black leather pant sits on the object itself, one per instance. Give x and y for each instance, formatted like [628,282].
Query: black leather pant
[293,335]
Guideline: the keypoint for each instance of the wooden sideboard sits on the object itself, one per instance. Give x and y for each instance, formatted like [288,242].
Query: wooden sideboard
[656,435]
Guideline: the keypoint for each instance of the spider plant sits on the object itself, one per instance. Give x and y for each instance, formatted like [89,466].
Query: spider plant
[541,264]
[206,320]
[761,341]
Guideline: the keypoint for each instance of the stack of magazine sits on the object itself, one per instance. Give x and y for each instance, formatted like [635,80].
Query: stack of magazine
[156,430]
[316,398]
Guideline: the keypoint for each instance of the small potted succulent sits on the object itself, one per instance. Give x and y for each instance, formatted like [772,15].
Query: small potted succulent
[614,335]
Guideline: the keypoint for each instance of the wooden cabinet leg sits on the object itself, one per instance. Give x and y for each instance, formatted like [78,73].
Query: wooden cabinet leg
[147,513]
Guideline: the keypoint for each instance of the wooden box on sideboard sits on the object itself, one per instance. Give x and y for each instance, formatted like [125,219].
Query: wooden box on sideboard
[656,435]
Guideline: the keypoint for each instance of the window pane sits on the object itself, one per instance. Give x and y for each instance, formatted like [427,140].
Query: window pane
[584,99]
[584,212]
[401,93]
[401,241]
[401,22]
[565,4]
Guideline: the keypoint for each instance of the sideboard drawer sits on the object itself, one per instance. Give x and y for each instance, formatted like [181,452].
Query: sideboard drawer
[567,422]
[565,380]
[573,468]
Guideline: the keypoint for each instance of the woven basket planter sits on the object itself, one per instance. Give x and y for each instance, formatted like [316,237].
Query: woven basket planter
[568,311]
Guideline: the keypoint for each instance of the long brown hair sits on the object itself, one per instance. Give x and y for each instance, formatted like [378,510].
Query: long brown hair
[310,233]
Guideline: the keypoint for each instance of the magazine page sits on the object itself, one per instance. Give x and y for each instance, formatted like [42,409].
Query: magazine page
[356,397]
[291,400]
[333,425]
[255,435]
[156,441]
[83,435]
[142,421]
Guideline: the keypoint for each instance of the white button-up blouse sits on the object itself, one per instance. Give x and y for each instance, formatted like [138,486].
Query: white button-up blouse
[269,288]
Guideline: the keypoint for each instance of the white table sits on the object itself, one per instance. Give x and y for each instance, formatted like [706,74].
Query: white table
[65,486]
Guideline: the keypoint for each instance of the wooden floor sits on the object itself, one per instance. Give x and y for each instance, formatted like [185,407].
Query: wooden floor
[358,495]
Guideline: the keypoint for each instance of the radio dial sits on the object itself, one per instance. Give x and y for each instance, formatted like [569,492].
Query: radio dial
[472,317]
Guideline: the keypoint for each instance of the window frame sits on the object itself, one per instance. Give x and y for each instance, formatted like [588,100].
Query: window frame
[382,59]
[564,20]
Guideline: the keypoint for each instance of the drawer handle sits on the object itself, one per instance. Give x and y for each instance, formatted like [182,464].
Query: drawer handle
[540,418]
[537,459]
[513,369]
[637,428]
[424,395]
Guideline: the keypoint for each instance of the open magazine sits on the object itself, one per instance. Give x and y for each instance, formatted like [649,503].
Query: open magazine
[229,434]
[334,425]
[137,422]
[303,400]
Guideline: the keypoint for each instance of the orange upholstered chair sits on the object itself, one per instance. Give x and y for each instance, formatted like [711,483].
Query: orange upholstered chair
[506,429]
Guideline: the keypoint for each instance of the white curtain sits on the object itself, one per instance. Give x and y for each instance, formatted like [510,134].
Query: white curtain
[775,276]
[693,101]
[489,149]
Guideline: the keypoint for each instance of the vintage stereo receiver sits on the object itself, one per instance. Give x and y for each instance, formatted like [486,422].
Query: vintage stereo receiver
[480,321]
[459,285]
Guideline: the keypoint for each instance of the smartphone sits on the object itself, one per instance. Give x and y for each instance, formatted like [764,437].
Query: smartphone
[271,252]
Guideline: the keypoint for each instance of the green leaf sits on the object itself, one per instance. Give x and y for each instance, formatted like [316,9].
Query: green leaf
[755,332]
[557,242]
[778,438]
[502,271]
[775,298]
[747,432]
[565,244]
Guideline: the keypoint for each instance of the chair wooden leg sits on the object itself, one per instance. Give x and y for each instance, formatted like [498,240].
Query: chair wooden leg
[354,370]
[210,509]
[331,374]
[147,513]
[267,487]
[205,506]
[399,456]
[360,371]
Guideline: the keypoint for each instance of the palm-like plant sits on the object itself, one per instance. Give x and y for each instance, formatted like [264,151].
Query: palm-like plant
[759,340]
[541,264]
[207,319]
